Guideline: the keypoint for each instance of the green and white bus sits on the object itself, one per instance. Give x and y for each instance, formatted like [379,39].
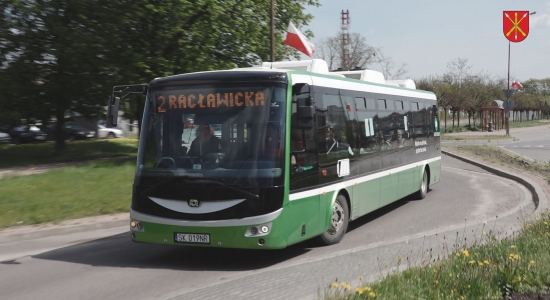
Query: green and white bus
[266,157]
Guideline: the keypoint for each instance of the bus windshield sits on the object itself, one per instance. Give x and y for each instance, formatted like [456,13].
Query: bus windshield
[228,133]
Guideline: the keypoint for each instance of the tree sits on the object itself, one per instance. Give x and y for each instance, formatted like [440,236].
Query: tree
[360,53]
[389,68]
[54,51]
[67,54]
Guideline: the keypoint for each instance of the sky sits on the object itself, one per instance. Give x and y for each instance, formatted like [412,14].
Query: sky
[428,34]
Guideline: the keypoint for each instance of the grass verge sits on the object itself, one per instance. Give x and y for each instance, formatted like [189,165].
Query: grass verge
[44,153]
[529,123]
[515,268]
[498,156]
[67,193]
[487,137]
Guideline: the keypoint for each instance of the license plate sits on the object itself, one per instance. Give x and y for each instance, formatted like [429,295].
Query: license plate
[192,238]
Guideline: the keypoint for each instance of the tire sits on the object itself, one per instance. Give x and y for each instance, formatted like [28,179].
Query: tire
[421,193]
[339,222]
[111,135]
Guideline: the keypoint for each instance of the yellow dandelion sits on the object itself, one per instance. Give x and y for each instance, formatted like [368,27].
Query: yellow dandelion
[436,282]
[334,284]
[519,278]
[465,253]
[480,263]
[545,223]
[372,294]
[359,291]
[471,262]
[532,262]
[513,256]
[513,246]
[486,262]
[458,254]
[367,289]
[343,284]
[347,287]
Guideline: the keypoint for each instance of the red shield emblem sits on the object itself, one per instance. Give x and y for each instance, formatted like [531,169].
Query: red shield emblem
[516,25]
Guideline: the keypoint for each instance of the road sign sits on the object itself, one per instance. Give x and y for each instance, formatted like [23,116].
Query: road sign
[508,105]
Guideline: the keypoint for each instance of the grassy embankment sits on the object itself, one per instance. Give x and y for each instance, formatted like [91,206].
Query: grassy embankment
[517,268]
[69,192]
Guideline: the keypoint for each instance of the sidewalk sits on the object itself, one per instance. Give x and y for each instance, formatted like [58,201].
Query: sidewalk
[544,125]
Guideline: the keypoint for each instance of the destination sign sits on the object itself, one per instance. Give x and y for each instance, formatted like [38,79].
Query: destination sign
[209,101]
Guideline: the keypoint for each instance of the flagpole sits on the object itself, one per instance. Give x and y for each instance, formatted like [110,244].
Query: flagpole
[272,17]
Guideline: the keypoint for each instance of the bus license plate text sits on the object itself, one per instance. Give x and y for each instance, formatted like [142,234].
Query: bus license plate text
[191,238]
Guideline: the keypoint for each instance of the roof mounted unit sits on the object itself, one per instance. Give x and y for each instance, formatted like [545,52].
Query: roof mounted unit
[406,83]
[364,75]
[311,65]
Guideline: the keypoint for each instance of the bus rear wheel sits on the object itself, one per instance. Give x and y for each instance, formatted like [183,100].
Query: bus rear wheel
[339,222]
[421,194]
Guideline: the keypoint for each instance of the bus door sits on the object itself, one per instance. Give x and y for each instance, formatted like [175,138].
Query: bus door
[388,149]
[303,165]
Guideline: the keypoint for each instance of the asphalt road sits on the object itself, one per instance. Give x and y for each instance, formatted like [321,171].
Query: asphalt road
[105,264]
[534,144]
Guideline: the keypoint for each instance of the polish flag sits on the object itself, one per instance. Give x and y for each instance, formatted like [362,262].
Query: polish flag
[297,40]
[517,85]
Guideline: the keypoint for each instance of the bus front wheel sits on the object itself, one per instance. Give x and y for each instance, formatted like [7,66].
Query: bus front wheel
[338,224]
[421,194]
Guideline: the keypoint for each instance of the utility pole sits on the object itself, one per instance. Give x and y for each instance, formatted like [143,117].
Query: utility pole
[272,21]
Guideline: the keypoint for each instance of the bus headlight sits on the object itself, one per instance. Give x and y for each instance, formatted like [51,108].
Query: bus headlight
[258,230]
[136,226]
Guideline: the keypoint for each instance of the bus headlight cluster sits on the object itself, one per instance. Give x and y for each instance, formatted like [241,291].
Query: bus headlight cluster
[258,230]
[136,226]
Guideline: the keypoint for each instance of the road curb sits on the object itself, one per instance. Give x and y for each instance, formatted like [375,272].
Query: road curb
[539,196]
[79,225]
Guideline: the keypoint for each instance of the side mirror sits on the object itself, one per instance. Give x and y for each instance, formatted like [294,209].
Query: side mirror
[112,111]
[305,110]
